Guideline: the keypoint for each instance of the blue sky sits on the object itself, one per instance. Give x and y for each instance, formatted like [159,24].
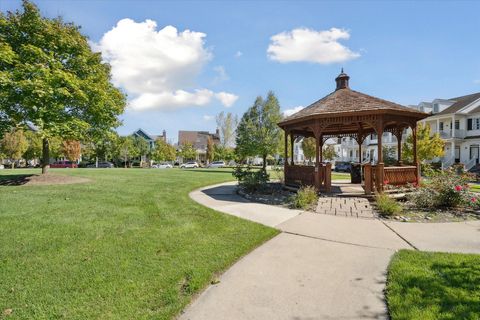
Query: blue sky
[405,52]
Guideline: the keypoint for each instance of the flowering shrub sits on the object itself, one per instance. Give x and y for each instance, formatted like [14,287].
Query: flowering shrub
[446,189]
[305,198]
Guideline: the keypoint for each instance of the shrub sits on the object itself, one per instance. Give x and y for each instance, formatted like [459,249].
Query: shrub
[305,198]
[388,206]
[251,180]
[446,189]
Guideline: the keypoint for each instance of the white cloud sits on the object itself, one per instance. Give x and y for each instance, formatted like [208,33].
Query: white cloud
[477,81]
[208,118]
[238,54]
[221,74]
[227,99]
[291,111]
[158,69]
[308,45]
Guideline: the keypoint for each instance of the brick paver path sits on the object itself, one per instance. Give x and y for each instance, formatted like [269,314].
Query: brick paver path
[347,207]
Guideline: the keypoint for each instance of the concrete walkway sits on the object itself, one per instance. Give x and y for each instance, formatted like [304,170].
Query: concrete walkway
[319,267]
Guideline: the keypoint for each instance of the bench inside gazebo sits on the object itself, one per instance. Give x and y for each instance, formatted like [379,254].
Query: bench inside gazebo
[348,113]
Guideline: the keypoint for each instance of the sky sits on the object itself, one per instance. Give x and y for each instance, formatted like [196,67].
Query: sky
[183,62]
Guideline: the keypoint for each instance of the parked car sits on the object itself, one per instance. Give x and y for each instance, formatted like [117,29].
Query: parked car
[63,164]
[190,164]
[163,165]
[343,167]
[217,164]
[102,164]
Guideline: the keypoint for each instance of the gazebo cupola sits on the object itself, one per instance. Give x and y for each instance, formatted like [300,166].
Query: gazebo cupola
[349,113]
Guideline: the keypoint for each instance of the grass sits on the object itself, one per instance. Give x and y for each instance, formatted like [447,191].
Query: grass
[475,187]
[432,286]
[129,245]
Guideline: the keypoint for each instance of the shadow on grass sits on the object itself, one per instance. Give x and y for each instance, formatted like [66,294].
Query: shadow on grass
[14,179]
[209,170]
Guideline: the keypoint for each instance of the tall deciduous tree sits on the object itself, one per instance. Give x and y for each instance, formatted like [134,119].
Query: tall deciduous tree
[50,77]
[126,149]
[187,151]
[258,132]
[428,146]
[308,147]
[142,147]
[13,145]
[72,150]
[163,151]
[227,124]
[210,150]
[328,152]
[34,150]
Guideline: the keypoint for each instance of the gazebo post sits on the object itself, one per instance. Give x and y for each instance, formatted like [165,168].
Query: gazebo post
[317,162]
[291,145]
[380,165]
[399,146]
[320,143]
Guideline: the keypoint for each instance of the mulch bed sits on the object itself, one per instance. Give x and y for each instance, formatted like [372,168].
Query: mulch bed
[43,179]
[412,214]
[274,194]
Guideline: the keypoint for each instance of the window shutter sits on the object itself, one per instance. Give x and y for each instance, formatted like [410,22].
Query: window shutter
[469,124]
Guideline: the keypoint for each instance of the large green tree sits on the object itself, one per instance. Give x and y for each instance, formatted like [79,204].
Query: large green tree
[50,77]
[13,145]
[258,132]
[34,150]
[142,147]
[187,152]
[328,152]
[163,151]
[428,146]
[210,150]
[127,149]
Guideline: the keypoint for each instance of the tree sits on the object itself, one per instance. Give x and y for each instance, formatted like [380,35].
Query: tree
[13,145]
[163,151]
[126,149]
[222,153]
[210,149]
[100,145]
[309,148]
[227,124]
[142,148]
[258,132]
[51,78]
[72,150]
[388,155]
[187,151]
[329,153]
[428,146]
[34,150]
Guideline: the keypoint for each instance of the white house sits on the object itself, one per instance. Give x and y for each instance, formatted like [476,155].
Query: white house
[457,120]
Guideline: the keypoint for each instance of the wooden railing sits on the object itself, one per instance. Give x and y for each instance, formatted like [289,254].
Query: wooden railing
[377,176]
[319,177]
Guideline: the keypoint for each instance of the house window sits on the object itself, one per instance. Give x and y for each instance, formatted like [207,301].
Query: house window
[457,124]
[469,124]
[441,126]
[435,107]
[473,124]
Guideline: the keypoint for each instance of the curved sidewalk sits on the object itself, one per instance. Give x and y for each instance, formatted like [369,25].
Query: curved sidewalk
[319,267]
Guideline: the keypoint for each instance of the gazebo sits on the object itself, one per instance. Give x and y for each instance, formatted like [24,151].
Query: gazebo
[348,113]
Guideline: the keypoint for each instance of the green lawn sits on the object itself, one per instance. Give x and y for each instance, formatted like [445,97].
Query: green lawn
[129,245]
[432,286]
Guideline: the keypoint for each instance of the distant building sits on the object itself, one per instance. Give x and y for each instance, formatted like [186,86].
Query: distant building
[198,139]
[149,137]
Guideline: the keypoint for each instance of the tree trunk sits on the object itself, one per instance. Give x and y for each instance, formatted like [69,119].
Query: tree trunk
[45,156]
[96,162]
[13,164]
[264,162]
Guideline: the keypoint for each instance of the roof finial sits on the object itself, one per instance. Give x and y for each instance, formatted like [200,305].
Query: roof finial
[342,70]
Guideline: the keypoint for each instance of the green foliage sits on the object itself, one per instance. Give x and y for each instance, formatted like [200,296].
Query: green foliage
[251,180]
[428,146]
[187,152]
[101,145]
[163,151]
[222,153]
[13,145]
[432,285]
[120,247]
[388,154]
[227,124]
[210,150]
[258,132]
[445,189]
[50,77]
[127,149]
[34,150]
[306,198]
[309,148]
[388,206]
[329,152]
